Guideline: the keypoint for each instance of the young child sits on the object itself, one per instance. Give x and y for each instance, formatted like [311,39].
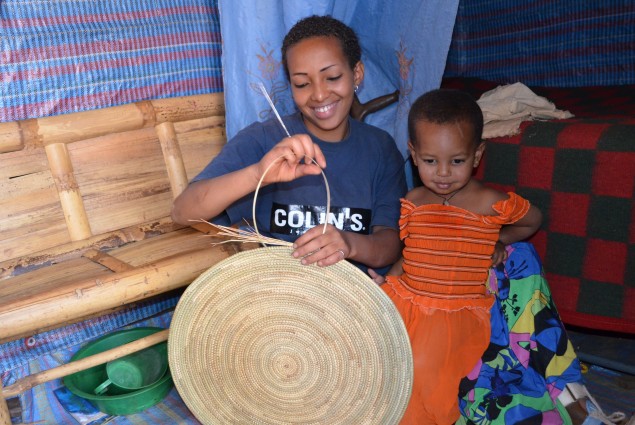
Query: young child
[454,229]
[364,168]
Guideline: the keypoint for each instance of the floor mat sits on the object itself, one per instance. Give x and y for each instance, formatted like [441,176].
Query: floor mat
[614,391]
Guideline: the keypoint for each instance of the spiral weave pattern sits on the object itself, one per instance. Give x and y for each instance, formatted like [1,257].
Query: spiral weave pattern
[260,338]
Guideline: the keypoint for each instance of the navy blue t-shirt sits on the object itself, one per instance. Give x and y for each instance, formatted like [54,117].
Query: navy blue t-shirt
[365,174]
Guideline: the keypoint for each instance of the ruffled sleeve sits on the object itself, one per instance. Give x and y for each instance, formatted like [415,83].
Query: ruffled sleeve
[406,209]
[509,210]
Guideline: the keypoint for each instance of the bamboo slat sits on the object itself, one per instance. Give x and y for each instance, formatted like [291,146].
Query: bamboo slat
[188,108]
[31,381]
[22,163]
[70,196]
[199,147]
[52,277]
[30,215]
[143,252]
[200,123]
[173,158]
[123,179]
[107,260]
[33,257]
[56,306]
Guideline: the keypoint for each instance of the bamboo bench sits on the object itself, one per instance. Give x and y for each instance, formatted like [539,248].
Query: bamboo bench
[85,202]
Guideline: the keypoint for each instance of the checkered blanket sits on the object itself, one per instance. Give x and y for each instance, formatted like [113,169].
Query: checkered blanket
[581,173]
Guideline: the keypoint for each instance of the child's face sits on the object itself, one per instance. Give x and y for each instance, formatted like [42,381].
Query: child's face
[445,155]
[323,85]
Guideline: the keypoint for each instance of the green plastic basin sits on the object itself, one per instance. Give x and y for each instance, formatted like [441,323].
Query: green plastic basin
[84,383]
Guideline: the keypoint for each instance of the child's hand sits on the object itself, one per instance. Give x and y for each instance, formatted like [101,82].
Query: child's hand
[322,247]
[290,159]
[500,254]
[377,278]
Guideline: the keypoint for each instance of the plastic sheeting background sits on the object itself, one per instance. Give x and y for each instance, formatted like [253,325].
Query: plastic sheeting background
[403,48]
[68,56]
[568,43]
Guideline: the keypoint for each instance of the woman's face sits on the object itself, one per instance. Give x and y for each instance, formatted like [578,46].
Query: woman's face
[323,85]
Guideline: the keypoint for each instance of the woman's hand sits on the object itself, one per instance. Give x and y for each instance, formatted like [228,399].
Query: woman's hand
[291,158]
[322,247]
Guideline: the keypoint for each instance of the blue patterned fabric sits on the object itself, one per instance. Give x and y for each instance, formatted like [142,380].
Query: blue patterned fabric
[567,43]
[530,358]
[60,56]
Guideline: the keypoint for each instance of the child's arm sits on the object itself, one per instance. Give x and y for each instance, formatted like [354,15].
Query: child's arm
[521,230]
[208,198]
[395,270]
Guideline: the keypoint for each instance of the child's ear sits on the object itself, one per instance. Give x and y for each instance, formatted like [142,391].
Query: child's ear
[411,149]
[480,149]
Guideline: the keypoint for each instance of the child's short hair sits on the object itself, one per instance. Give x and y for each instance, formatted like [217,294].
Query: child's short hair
[323,26]
[446,106]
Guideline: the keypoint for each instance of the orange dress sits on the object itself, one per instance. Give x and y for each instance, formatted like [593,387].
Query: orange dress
[442,298]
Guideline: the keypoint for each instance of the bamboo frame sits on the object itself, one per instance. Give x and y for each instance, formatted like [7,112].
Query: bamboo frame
[45,307]
[77,299]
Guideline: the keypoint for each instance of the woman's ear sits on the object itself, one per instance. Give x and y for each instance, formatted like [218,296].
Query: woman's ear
[358,73]
[480,149]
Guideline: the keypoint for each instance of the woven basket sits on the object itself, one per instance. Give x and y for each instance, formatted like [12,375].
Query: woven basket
[260,338]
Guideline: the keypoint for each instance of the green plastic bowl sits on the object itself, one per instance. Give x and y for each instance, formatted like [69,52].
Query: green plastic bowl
[83,383]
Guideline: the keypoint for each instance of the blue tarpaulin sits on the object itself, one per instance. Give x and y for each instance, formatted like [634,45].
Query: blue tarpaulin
[59,57]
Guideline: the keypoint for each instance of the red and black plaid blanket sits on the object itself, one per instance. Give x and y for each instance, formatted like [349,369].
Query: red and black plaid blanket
[581,173]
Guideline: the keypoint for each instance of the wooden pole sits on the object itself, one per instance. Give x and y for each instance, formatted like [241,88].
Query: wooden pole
[68,128]
[31,381]
[173,158]
[70,196]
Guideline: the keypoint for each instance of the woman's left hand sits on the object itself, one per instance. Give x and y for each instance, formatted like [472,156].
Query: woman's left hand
[322,247]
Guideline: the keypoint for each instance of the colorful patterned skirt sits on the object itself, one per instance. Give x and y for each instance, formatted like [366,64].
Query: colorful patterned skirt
[530,358]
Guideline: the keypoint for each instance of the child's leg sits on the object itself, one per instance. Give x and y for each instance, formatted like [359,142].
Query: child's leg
[445,347]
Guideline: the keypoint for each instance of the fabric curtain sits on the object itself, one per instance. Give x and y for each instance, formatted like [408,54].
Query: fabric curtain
[404,47]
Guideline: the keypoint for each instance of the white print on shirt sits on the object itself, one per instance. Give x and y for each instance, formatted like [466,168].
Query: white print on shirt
[297,219]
